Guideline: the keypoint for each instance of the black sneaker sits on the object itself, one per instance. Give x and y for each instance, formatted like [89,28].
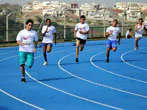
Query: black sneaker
[107,60]
[23,80]
[77,60]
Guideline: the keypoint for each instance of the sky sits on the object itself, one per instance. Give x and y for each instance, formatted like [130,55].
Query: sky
[108,3]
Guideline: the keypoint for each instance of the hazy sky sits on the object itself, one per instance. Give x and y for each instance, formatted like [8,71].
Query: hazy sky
[107,2]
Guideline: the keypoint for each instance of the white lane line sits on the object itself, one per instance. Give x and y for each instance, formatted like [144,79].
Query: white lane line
[34,106]
[73,95]
[130,63]
[16,97]
[8,58]
[98,84]
[91,61]
[8,47]
[15,51]
[4,53]
[35,57]
[60,51]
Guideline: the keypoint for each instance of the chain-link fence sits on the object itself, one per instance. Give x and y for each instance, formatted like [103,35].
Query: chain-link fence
[95,33]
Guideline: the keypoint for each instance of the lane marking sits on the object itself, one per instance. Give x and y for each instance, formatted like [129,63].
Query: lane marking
[20,100]
[102,85]
[27,103]
[73,95]
[91,60]
[122,59]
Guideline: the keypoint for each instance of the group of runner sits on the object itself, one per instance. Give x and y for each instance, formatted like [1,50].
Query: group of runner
[27,40]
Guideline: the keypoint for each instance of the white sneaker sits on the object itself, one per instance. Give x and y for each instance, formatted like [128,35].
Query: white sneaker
[45,63]
[135,48]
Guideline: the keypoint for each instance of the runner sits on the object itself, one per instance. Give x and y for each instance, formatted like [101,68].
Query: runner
[27,41]
[80,33]
[139,29]
[49,34]
[112,33]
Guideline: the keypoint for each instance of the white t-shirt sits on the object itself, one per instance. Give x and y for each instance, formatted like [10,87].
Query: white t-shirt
[28,38]
[127,33]
[48,38]
[139,32]
[115,30]
[81,27]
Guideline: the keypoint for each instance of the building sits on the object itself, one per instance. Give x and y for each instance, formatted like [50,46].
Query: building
[27,8]
[121,6]
[142,6]
[133,12]
[74,5]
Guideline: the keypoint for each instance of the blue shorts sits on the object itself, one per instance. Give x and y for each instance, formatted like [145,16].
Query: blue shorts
[111,43]
[46,44]
[26,58]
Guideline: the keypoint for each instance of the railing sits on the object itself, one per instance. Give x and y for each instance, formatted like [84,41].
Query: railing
[95,32]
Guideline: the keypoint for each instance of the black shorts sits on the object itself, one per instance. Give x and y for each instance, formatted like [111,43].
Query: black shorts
[82,41]
[128,36]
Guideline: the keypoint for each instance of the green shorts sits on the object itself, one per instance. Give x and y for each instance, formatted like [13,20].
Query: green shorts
[26,58]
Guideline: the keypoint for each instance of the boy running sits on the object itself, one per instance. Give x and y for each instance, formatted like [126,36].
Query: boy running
[49,33]
[139,28]
[80,33]
[27,41]
[112,32]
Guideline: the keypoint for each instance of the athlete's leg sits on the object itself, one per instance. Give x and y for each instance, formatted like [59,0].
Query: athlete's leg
[109,47]
[49,48]
[22,69]
[119,41]
[114,45]
[77,49]
[22,60]
[30,59]
[82,42]
[81,47]
[114,49]
[136,43]
[107,54]
[44,52]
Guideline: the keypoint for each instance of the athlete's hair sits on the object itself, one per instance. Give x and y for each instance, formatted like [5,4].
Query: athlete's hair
[115,20]
[48,19]
[141,19]
[29,21]
[82,16]
[130,29]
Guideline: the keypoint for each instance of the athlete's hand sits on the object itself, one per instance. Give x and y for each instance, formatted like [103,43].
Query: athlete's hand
[22,44]
[118,42]
[111,32]
[81,32]
[35,50]
[46,29]
[74,36]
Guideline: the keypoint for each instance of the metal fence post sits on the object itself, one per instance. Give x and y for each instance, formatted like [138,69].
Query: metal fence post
[7,27]
[122,26]
[92,32]
[64,27]
[24,23]
[104,21]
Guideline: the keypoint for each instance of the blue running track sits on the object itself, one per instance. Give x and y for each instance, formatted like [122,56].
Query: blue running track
[91,84]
